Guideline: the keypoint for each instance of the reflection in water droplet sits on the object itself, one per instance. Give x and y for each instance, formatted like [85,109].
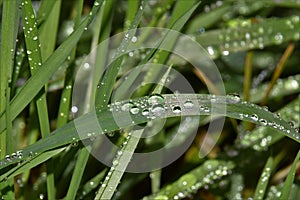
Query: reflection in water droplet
[176,109]
[254,117]
[127,106]
[158,110]
[145,112]
[188,104]
[134,110]
[156,99]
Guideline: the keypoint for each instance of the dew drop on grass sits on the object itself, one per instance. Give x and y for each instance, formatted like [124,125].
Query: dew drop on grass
[134,110]
[263,122]
[234,98]
[74,109]
[115,162]
[188,104]
[156,99]
[145,112]
[127,106]
[176,109]
[254,117]
[158,110]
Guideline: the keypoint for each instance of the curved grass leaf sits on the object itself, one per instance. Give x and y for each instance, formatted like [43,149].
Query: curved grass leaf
[117,116]
[192,181]
[262,137]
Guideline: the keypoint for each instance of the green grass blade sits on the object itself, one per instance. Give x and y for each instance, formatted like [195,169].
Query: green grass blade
[192,181]
[27,165]
[206,20]
[65,100]
[115,174]
[235,109]
[290,179]
[237,186]
[176,23]
[9,27]
[43,74]
[109,78]
[253,36]
[262,137]
[35,61]
[119,166]
[264,180]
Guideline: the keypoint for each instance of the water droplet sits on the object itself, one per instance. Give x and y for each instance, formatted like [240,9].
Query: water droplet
[156,99]
[158,110]
[263,122]
[133,39]
[254,117]
[234,98]
[145,112]
[74,109]
[127,106]
[115,162]
[278,38]
[188,104]
[210,50]
[28,52]
[225,53]
[74,142]
[176,109]
[134,110]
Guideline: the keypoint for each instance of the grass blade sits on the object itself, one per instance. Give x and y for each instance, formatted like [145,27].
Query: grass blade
[264,180]
[42,75]
[235,109]
[192,181]
[290,179]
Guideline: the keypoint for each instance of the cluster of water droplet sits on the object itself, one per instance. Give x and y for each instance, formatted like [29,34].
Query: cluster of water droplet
[209,172]
[256,36]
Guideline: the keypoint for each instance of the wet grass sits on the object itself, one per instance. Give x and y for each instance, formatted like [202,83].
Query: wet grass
[49,123]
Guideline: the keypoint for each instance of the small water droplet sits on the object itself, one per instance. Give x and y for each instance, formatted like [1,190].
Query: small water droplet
[115,162]
[74,109]
[263,122]
[134,39]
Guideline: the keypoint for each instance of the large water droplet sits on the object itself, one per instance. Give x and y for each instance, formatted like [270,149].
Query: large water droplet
[254,117]
[134,110]
[156,99]
[176,109]
[158,110]
[188,104]
[127,106]
[145,112]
